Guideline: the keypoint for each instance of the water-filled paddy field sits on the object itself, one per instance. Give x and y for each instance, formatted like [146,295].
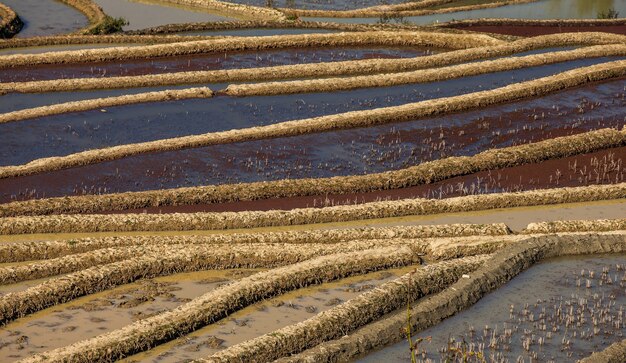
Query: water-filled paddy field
[556,311]
[346,152]
[264,188]
[542,9]
[47,17]
[226,60]
[225,113]
[146,14]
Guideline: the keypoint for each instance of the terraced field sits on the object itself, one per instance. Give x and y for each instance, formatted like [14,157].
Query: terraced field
[314,181]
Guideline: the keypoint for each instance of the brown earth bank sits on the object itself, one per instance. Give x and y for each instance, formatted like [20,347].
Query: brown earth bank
[536,30]
[602,167]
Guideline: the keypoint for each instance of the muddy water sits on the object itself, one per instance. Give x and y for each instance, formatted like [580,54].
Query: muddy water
[212,61]
[64,134]
[543,9]
[513,314]
[265,317]
[21,286]
[46,17]
[145,14]
[602,167]
[17,101]
[343,152]
[98,313]
[531,31]
[516,218]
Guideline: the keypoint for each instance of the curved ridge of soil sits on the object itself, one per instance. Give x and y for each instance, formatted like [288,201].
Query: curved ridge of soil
[220,302]
[10,22]
[374,210]
[461,295]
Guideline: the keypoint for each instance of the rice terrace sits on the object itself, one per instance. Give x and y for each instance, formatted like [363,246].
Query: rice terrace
[313,181]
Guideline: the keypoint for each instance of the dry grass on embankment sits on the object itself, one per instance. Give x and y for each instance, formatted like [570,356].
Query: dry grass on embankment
[601,225]
[386,38]
[429,311]
[10,22]
[264,24]
[239,10]
[38,250]
[323,85]
[422,76]
[424,173]
[221,302]
[248,255]
[345,318]
[407,112]
[195,258]
[85,105]
[615,353]
[251,219]
[328,69]
[266,254]
[115,39]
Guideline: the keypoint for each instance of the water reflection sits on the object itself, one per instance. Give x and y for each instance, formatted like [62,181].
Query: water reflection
[144,14]
[546,9]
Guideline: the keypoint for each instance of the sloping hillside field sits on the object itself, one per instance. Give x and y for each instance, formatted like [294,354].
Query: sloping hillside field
[313,181]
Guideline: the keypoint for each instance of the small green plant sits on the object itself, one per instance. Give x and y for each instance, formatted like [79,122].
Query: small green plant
[109,25]
[609,14]
[413,344]
[387,18]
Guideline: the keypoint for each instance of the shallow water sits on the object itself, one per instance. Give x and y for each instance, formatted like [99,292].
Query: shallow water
[18,101]
[515,218]
[211,61]
[547,285]
[343,152]
[146,14]
[96,314]
[46,17]
[265,317]
[64,134]
[545,9]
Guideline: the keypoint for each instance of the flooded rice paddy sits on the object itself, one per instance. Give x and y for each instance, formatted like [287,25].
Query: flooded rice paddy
[557,311]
